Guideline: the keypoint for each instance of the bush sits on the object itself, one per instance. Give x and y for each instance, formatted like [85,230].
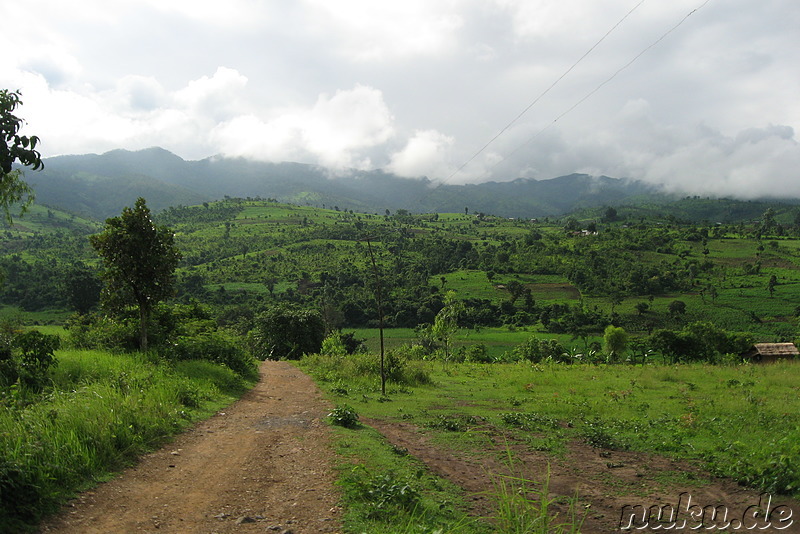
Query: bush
[535,350]
[287,332]
[214,347]
[475,353]
[333,345]
[344,416]
[36,357]
[93,331]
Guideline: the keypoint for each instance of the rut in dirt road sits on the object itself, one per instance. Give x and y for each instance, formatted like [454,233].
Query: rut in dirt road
[262,464]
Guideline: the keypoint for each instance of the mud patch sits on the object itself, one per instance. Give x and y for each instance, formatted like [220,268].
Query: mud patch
[603,482]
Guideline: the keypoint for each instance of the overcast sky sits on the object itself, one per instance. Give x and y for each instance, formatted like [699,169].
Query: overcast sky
[418,87]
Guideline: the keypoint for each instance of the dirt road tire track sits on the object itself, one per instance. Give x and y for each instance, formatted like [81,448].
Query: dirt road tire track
[264,464]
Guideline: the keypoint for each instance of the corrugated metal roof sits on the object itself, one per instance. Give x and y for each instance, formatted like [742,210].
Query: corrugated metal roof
[776,349]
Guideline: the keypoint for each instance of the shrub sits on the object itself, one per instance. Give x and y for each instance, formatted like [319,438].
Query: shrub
[215,347]
[535,350]
[475,353]
[344,416]
[36,357]
[333,345]
[287,332]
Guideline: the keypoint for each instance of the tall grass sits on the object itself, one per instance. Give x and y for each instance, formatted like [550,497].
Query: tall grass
[103,411]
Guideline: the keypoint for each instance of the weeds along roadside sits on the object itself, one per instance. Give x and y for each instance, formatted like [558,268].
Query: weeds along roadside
[386,490]
[738,421]
[102,411]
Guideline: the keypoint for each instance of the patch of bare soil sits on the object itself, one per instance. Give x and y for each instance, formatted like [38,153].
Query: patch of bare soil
[264,464]
[605,482]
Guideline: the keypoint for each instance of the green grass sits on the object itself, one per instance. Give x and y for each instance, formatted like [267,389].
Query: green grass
[102,412]
[43,317]
[741,422]
[498,340]
[385,490]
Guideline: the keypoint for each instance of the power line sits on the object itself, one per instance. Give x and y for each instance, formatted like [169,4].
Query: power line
[593,91]
[538,98]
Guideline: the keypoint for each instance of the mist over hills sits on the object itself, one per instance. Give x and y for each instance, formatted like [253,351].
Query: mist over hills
[101,185]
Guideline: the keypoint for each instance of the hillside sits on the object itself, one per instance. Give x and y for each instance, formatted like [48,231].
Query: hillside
[100,185]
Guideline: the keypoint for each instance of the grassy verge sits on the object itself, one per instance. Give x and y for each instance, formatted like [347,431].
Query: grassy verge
[102,412]
[385,489]
[741,422]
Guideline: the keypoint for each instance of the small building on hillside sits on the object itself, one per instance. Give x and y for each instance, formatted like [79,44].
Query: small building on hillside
[771,352]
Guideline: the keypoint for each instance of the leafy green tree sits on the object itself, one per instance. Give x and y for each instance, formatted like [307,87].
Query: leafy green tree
[287,332]
[446,323]
[773,281]
[610,215]
[677,307]
[82,288]
[15,148]
[139,259]
[615,342]
[536,350]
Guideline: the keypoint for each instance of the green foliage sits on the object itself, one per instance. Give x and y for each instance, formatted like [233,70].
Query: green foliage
[446,322]
[139,258]
[524,507]
[537,350]
[82,288]
[37,357]
[15,148]
[384,495]
[26,360]
[477,353]
[333,345]
[287,332]
[102,411]
[362,371]
[698,341]
[615,342]
[93,331]
[213,346]
[344,416]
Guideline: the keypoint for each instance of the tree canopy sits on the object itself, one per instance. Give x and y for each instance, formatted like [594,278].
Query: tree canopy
[139,258]
[15,148]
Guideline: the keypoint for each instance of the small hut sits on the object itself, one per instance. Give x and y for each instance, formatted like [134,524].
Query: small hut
[771,352]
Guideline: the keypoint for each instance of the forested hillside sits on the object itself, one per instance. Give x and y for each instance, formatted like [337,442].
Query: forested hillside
[568,276]
[101,185]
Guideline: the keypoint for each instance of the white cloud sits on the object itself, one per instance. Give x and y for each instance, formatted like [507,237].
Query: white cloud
[259,78]
[427,153]
[216,97]
[336,131]
[365,30]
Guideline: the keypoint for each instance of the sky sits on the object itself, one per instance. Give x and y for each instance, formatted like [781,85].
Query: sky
[702,96]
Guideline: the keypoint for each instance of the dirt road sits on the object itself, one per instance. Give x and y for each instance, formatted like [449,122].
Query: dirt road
[262,465]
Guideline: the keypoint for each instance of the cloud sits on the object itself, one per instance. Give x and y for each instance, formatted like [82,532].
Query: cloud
[336,131]
[418,86]
[427,153]
[365,30]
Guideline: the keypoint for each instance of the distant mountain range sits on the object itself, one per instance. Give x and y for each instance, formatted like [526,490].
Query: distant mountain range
[99,186]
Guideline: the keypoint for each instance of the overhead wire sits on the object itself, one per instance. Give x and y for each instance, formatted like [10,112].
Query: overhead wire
[579,102]
[601,85]
[544,93]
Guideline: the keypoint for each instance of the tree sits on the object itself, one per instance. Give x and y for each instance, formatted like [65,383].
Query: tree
[15,148]
[82,288]
[446,323]
[615,342]
[139,260]
[610,215]
[677,307]
[773,281]
[287,332]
